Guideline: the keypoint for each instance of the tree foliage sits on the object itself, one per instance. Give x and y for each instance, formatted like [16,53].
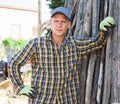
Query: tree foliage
[56,3]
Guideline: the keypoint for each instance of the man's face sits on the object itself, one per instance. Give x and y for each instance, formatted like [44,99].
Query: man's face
[59,24]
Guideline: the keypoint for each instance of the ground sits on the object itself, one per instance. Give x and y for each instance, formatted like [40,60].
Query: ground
[7,95]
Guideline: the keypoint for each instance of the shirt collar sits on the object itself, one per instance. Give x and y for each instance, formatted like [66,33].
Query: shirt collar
[66,39]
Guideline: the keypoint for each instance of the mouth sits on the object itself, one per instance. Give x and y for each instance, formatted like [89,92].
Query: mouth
[58,30]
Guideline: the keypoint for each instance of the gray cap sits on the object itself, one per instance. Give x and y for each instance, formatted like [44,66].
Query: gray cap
[62,10]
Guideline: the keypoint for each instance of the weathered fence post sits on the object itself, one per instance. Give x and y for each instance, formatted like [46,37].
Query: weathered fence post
[99,73]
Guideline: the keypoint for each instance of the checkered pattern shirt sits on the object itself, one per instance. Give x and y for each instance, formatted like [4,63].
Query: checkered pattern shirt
[54,72]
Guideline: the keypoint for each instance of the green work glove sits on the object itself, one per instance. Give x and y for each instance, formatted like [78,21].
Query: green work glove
[107,24]
[29,92]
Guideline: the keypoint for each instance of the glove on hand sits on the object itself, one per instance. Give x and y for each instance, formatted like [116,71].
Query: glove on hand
[29,92]
[107,24]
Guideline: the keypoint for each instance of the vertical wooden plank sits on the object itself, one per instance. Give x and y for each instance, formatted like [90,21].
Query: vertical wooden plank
[107,78]
[69,4]
[100,82]
[73,17]
[108,74]
[83,75]
[95,78]
[115,57]
[118,32]
[79,20]
[89,79]
[95,25]
[95,17]
[88,19]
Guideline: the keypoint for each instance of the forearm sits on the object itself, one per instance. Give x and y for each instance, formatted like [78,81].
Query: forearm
[17,62]
[89,45]
[15,77]
[15,74]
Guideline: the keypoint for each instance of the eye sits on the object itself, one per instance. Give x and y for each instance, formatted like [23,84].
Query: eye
[56,21]
[63,21]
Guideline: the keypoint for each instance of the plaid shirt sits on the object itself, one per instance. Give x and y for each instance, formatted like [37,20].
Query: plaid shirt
[54,72]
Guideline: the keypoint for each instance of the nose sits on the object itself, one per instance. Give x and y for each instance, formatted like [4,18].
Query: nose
[59,24]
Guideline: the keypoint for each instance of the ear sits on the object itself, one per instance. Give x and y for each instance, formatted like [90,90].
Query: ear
[69,24]
[50,23]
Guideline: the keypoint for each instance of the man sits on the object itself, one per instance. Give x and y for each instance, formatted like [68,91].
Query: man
[55,61]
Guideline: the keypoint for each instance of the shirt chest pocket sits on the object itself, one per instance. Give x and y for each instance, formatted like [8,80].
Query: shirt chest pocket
[46,57]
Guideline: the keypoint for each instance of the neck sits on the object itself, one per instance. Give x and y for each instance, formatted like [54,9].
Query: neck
[57,39]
